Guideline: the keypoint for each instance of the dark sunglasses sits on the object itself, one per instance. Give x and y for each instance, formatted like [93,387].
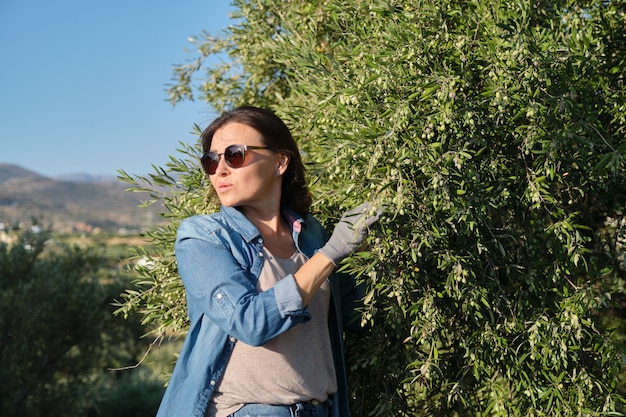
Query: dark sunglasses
[234,155]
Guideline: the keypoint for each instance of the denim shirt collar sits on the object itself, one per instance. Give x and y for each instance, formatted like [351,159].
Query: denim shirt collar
[249,232]
[240,223]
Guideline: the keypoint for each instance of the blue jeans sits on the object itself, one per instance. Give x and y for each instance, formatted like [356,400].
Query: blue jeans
[303,409]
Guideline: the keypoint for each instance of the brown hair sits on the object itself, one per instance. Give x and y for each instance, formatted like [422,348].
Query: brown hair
[276,135]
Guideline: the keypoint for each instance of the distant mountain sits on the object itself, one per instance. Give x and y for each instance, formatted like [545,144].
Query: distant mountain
[82,204]
[12,172]
[78,177]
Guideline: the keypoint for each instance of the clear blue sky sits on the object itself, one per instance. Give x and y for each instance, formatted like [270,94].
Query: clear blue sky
[82,82]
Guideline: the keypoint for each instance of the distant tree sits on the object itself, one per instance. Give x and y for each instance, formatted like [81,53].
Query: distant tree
[58,337]
[495,131]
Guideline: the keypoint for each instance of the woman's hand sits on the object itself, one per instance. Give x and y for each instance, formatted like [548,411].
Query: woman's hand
[350,232]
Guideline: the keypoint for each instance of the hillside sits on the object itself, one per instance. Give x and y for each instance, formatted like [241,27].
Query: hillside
[70,205]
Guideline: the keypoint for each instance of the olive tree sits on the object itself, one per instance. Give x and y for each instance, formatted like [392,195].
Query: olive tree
[494,134]
[58,338]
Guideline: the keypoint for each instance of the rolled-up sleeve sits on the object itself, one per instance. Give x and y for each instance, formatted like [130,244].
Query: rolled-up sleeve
[288,298]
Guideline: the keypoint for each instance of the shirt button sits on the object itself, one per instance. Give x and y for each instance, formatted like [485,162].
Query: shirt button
[260,240]
[232,339]
[219,296]
[212,382]
[261,254]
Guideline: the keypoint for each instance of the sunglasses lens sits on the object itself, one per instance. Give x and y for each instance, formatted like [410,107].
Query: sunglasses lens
[234,156]
[210,161]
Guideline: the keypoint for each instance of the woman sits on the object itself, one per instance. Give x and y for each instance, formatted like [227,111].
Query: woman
[266,312]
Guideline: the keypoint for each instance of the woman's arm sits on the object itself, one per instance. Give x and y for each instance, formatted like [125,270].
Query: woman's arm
[348,235]
[312,275]
[218,287]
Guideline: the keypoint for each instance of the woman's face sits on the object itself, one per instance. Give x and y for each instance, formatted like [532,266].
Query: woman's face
[257,183]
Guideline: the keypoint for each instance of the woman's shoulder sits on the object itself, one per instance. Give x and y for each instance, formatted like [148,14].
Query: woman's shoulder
[312,222]
[204,223]
[228,219]
[313,231]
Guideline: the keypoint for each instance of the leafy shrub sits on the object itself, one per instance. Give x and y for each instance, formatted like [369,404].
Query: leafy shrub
[495,132]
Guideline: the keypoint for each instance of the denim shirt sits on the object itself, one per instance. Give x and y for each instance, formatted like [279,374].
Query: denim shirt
[219,259]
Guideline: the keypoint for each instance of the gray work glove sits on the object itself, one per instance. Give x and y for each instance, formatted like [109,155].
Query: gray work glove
[350,232]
